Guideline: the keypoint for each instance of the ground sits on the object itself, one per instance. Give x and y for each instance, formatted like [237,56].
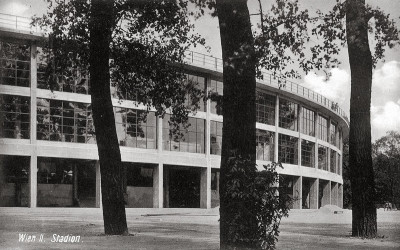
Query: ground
[182,229]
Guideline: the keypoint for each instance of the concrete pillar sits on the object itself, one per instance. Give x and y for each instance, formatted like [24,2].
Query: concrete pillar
[33,160]
[340,195]
[166,187]
[314,183]
[205,175]
[205,188]
[316,140]
[276,140]
[158,198]
[300,127]
[297,192]
[98,185]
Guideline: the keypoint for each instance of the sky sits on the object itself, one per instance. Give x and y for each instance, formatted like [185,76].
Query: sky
[385,107]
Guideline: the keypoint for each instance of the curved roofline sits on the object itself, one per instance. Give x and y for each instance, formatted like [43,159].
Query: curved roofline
[20,28]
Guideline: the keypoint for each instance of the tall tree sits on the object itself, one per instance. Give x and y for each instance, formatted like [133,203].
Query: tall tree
[100,28]
[146,41]
[361,172]
[354,32]
[238,106]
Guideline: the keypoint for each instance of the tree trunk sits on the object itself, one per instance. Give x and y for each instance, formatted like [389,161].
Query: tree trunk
[361,171]
[100,28]
[239,113]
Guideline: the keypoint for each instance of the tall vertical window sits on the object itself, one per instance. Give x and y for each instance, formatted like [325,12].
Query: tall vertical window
[14,181]
[135,128]
[322,128]
[265,108]
[322,157]
[288,114]
[308,121]
[215,137]
[197,82]
[333,161]
[287,149]
[333,132]
[217,90]
[64,121]
[14,64]
[265,145]
[307,153]
[14,117]
[190,140]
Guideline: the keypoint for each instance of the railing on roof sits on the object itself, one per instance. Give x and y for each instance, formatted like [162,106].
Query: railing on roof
[16,22]
[214,63]
[208,62]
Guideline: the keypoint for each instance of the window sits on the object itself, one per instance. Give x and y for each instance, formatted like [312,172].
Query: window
[64,121]
[307,153]
[138,175]
[322,157]
[14,64]
[265,145]
[14,181]
[14,117]
[333,132]
[217,88]
[66,182]
[190,140]
[333,163]
[308,121]
[214,179]
[287,149]
[215,137]
[265,108]
[197,82]
[135,128]
[322,128]
[287,115]
[73,79]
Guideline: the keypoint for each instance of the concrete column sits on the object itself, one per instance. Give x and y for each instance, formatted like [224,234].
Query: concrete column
[166,187]
[340,195]
[316,141]
[205,188]
[205,202]
[33,160]
[314,193]
[326,190]
[159,135]
[98,185]
[300,126]
[276,140]
[297,192]
[158,198]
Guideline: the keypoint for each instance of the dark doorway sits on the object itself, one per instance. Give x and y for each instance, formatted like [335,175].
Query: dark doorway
[184,187]
[86,172]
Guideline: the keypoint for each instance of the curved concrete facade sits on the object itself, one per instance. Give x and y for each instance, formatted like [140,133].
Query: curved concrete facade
[58,163]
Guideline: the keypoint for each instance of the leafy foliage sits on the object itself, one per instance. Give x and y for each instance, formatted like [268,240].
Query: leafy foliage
[332,29]
[386,159]
[147,50]
[256,206]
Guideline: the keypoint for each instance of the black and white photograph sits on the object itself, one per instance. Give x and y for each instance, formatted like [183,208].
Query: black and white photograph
[199,124]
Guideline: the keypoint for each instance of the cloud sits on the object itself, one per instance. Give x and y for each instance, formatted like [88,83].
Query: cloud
[14,8]
[385,83]
[336,88]
[385,118]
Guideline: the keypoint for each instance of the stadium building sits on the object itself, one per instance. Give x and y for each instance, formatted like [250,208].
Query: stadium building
[48,152]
